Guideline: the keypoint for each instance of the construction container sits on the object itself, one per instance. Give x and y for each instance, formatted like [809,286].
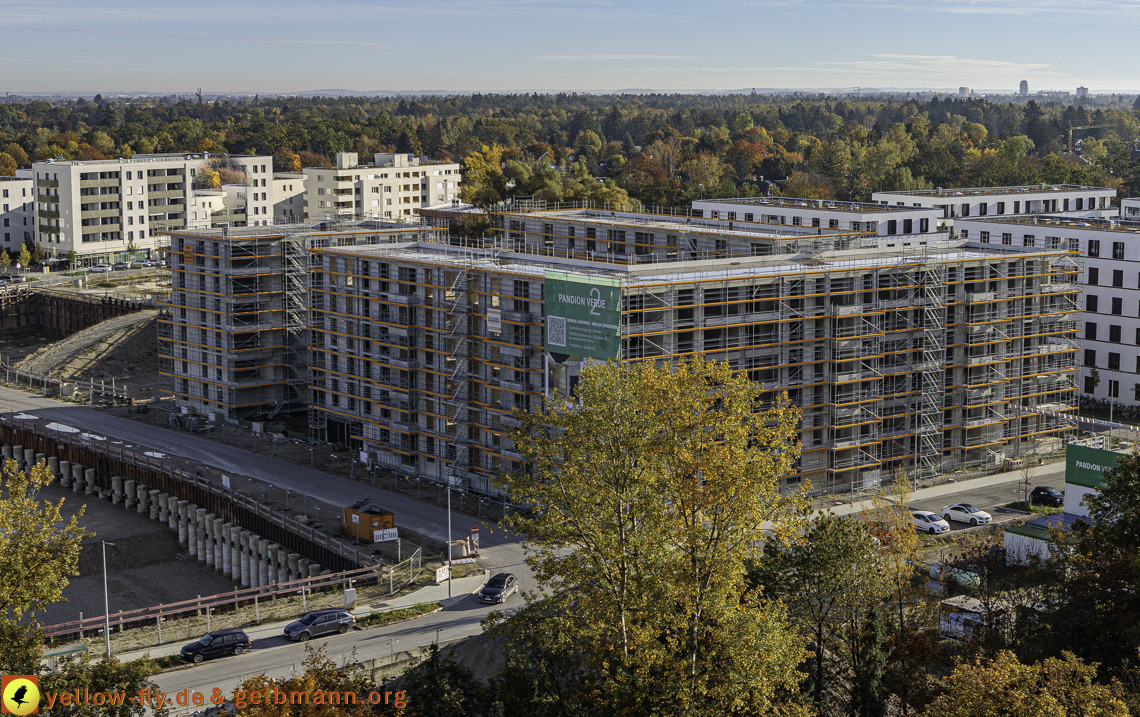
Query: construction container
[362,520]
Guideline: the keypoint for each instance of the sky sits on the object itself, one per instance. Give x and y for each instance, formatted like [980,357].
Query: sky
[549,45]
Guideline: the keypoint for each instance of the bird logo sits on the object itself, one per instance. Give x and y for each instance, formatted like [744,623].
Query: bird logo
[19,694]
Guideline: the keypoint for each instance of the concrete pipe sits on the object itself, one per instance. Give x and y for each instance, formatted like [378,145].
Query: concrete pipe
[227,550]
[163,500]
[53,466]
[192,531]
[314,570]
[154,503]
[219,543]
[7,451]
[116,489]
[262,564]
[65,474]
[38,459]
[235,553]
[181,509]
[18,456]
[200,523]
[242,548]
[29,459]
[271,563]
[293,560]
[205,548]
[172,513]
[142,498]
[303,567]
[77,479]
[129,493]
[89,481]
[251,553]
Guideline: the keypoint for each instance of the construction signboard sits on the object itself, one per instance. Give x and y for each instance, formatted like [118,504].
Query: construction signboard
[583,316]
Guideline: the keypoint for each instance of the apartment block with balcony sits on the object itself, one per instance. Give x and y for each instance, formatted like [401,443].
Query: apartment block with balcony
[920,360]
[101,209]
[233,341]
[17,212]
[395,186]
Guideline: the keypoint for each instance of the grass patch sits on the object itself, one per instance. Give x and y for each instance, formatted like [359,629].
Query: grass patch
[1037,509]
[165,662]
[379,619]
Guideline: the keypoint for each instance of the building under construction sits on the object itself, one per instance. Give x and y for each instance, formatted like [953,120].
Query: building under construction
[233,341]
[922,361]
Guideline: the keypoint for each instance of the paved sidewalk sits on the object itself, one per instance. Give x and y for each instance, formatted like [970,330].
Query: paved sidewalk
[1049,469]
[271,634]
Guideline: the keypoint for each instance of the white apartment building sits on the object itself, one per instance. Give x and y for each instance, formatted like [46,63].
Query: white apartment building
[1110,320]
[394,186]
[17,211]
[289,191]
[1130,208]
[899,226]
[101,208]
[967,202]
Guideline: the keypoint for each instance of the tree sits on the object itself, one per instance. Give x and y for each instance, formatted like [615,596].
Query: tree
[828,580]
[869,656]
[1056,688]
[5,259]
[484,184]
[39,551]
[321,676]
[25,257]
[650,487]
[106,675]
[72,258]
[8,165]
[442,688]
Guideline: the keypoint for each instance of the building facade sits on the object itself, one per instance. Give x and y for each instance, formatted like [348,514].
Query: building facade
[395,186]
[17,212]
[105,209]
[1110,318]
[964,203]
[921,360]
[899,225]
[233,341]
[289,194]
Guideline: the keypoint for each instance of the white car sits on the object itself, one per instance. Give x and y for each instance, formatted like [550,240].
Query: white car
[966,513]
[927,522]
[99,269]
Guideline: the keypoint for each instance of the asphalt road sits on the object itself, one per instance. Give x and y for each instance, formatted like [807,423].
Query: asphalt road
[990,497]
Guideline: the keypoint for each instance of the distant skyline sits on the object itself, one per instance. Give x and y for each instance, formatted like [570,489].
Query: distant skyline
[552,45]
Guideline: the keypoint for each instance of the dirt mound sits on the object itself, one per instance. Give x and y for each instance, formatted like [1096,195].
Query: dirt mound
[77,353]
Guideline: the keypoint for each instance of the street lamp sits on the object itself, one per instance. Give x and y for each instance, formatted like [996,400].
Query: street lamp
[449,537]
[106,602]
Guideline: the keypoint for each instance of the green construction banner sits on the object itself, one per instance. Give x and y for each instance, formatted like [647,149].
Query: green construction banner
[1086,466]
[583,316]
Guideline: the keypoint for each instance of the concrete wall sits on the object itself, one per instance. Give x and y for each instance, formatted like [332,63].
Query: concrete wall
[60,313]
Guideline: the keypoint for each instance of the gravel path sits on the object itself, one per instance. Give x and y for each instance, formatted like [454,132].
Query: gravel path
[55,356]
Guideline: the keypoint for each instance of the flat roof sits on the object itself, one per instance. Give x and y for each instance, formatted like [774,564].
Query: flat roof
[1058,222]
[828,204]
[683,224]
[732,267]
[315,229]
[990,191]
[16,179]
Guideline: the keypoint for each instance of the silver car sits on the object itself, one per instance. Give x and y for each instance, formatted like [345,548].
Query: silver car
[320,622]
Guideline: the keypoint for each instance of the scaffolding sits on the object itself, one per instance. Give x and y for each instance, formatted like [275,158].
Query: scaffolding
[928,455]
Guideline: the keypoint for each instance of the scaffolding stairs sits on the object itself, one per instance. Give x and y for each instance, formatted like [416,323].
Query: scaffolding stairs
[456,383]
[928,456]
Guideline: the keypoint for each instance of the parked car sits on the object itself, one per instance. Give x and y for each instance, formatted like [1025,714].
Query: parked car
[137,265]
[17,278]
[99,269]
[216,644]
[1044,495]
[966,513]
[160,262]
[320,622]
[120,265]
[927,522]
[499,588]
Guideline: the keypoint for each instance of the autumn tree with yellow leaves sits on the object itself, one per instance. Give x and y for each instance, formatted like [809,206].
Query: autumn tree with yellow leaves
[650,489]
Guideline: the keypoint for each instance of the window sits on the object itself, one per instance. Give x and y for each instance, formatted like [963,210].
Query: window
[814,221]
[1001,207]
[908,226]
[1118,277]
[1090,303]
[1114,389]
[1090,357]
[1007,239]
[1094,247]
[983,209]
[1090,331]
[1114,333]
[1017,207]
[924,225]
[1089,387]
[892,226]
[1114,362]
[832,223]
[1117,250]
[985,237]
[965,210]
[1094,276]
[1117,306]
